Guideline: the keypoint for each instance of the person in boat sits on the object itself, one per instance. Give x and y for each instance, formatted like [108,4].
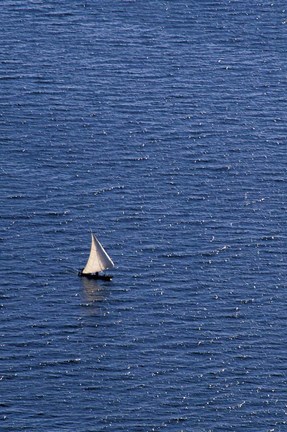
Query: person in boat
[93,274]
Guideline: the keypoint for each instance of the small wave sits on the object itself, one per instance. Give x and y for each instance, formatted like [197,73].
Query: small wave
[215,251]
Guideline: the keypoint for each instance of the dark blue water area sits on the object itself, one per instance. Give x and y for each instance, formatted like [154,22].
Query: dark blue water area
[161,126]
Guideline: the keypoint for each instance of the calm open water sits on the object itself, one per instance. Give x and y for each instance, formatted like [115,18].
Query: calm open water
[161,126]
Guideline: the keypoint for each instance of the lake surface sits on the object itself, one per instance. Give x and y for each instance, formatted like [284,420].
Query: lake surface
[161,126]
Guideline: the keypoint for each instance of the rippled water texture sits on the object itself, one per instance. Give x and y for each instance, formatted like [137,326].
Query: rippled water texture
[161,126]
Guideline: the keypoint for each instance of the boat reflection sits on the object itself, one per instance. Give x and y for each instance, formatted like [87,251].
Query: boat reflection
[93,295]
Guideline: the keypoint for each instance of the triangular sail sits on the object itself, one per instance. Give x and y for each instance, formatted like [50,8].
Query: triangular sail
[98,260]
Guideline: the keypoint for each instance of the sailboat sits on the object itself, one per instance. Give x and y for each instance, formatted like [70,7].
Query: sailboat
[98,261]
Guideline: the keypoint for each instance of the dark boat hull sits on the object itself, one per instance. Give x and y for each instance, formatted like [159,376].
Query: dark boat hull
[96,276]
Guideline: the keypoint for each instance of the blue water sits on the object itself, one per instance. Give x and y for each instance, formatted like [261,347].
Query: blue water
[161,126]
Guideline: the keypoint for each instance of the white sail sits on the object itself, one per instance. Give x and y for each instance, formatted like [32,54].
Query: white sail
[98,260]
